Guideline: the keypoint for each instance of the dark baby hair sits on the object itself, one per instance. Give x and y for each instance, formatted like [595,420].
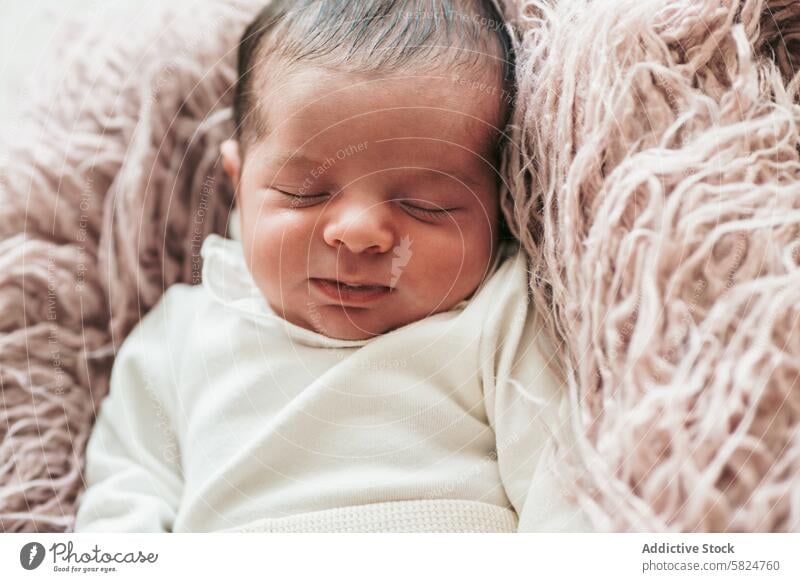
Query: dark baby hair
[368,36]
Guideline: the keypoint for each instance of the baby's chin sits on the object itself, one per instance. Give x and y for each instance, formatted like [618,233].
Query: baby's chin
[359,323]
[349,323]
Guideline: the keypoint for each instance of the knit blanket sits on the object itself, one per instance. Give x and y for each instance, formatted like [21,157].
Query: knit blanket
[651,177]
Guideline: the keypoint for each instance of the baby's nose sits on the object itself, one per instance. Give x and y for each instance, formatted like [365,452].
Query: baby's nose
[360,228]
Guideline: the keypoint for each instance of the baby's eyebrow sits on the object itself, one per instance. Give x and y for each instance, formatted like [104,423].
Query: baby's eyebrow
[451,174]
[291,158]
[442,174]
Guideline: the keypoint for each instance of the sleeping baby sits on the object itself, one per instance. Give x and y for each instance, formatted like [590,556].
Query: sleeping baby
[361,354]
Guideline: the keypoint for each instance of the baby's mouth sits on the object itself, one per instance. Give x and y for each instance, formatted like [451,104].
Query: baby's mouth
[350,293]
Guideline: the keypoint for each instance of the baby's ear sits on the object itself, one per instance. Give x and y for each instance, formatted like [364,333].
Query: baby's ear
[230,160]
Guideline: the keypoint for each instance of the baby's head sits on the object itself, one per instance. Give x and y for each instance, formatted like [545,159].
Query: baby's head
[368,135]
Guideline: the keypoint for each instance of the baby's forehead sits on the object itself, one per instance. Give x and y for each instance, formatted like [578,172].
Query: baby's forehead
[400,104]
[324,111]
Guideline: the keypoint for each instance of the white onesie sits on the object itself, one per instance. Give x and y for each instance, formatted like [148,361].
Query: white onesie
[223,416]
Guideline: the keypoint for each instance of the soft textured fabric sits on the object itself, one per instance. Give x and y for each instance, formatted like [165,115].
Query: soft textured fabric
[221,413]
[108,186]
[655,180]
[651,176]
[418,516]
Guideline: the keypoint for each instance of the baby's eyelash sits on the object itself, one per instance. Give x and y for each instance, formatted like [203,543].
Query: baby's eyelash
[302,199]
[430,212]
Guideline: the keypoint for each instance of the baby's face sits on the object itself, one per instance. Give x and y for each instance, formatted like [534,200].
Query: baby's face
[386,184]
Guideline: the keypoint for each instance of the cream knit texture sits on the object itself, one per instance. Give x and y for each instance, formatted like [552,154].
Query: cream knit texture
[418,516]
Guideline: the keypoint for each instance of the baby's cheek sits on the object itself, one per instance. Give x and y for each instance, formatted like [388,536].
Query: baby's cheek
[282,234]
[459,265]
[439,267]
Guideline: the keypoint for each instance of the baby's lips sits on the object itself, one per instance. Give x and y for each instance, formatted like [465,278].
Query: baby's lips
[354,283]
[350,295]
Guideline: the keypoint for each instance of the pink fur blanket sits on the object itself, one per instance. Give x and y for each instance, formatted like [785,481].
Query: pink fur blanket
[652,178]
